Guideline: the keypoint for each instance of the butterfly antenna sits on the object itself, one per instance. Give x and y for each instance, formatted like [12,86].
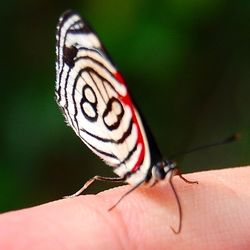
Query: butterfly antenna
[232,138]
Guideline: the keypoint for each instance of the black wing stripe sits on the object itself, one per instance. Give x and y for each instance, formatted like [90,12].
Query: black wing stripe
[97,87]
[60,56]
[100,151]
[129,155]
[125,135]
[105,69]
[121,162]
[65,108]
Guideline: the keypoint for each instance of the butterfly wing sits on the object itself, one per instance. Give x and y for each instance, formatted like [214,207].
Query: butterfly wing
[95,100]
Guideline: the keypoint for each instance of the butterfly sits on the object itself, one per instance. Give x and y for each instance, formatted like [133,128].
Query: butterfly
[97,104]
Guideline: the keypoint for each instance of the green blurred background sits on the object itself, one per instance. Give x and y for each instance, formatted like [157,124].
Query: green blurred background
[186,62]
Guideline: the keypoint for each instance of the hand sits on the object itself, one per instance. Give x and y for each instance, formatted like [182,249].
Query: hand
[216,215]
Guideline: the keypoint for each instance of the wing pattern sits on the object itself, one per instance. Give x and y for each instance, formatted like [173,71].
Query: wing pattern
[95,100]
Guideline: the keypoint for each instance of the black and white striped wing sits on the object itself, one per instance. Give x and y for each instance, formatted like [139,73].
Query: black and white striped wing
[95,100]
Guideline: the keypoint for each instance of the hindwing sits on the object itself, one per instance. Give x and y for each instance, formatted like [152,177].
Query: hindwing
[95,100]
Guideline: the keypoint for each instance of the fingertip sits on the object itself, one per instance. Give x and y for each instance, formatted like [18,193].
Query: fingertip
[213,212]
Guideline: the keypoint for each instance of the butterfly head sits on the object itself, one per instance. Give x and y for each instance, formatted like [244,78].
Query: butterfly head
[164,169]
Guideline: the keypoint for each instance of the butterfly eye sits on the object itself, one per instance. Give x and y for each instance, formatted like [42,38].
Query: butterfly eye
[69,53]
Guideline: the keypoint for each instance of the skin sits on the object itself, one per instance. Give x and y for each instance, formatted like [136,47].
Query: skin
[216,215]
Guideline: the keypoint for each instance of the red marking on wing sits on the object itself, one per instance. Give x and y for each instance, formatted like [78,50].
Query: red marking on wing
[119,77]
[127,100]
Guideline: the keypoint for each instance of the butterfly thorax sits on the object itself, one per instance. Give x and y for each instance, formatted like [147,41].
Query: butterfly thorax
[162,170]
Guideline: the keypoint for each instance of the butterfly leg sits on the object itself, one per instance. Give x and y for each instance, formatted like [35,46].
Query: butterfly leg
[177,172]
[95,178]
[187,181]
[125,194]
[153,184]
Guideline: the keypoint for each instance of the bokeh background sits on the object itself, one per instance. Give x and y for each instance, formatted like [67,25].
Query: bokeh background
[186,62]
